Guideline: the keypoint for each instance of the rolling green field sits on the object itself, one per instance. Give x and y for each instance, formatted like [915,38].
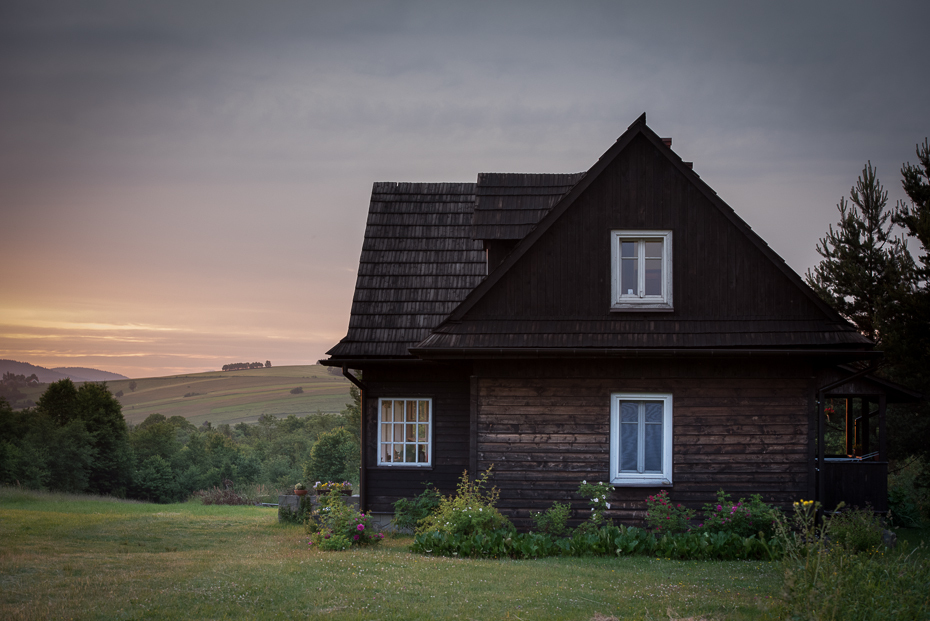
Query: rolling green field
[231,396]
[77,557]
[234,396]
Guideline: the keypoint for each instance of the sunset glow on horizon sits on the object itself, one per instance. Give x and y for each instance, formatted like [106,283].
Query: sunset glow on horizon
[185,186]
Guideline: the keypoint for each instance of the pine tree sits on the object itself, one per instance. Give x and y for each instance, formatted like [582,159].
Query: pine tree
[864,270]
[916,218]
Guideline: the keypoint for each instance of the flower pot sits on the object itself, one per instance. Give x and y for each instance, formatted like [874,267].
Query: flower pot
[300,492]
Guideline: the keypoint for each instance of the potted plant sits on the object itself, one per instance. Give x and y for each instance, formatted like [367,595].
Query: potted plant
[300,489]
[344,488]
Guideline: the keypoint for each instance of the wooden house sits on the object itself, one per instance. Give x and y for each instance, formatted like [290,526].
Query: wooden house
[622,324]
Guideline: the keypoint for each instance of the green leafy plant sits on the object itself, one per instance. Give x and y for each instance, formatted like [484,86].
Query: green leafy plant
[554,521]
[859,530]
[299,486]
[471,510]
[408,513]
[743,517]
[663,516]
[304,510]
[336,523]
[597,495]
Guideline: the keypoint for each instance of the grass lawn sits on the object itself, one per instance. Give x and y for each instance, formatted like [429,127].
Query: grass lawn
[76,557]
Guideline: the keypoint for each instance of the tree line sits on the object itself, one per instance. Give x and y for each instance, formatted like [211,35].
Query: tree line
[76,440]
[868,272]
[237,366]
[10,386]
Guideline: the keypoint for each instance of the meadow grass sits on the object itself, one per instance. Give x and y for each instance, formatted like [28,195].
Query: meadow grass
[78,557]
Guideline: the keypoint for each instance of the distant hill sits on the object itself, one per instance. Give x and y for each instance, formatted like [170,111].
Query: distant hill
[46,376]
[83,374]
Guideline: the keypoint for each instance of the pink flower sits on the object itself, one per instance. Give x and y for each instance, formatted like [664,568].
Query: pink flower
[360,527]
[719,507]
[356,537]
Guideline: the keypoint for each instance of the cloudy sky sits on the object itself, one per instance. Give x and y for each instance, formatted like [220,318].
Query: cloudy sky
[185,184]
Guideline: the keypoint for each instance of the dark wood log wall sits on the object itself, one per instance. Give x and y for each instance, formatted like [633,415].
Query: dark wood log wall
[449,390]
[738,426]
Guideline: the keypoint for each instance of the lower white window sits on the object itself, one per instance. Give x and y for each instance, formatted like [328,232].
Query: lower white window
[405,432]
[640,439]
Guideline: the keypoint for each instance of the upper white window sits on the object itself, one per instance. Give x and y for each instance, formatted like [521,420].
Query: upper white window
[405,432]
[641,270]
[640,439]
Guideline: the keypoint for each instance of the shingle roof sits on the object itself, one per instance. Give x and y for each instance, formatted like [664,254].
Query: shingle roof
[423,267]
[583,333]
[418,262]
[509,205]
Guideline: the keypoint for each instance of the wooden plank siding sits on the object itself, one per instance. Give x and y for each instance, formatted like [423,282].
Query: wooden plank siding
[449,389]
[734,428]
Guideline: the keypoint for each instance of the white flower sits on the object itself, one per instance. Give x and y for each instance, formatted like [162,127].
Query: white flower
[608,505]
[594,500]
[584,482]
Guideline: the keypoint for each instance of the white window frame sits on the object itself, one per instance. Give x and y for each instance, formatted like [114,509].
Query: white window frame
[620,301]
[429,435]
[641,479]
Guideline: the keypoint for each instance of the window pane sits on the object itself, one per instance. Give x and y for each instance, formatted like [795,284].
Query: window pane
[398,411]
[411,411]
[385,433]
[398,452]
[411,433]
[424,411]
[628,249]
[386,411]
[653,276]
[653,250]
[653,448]
[421,454]
[386,453]
[629,283]
[629,412]
[411,454]
[628,446]
[398,433]
[653,411]
[421,432]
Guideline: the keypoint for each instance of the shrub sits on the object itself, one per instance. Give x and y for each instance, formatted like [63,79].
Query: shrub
[597,495]
[745,518]
[336,525]
[471,510]
[908,496]
[555,519]
[220,496]
[409,513]
[664,517]
[859,530]
[297,391]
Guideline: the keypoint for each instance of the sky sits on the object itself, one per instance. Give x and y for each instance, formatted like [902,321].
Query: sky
[185,184]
